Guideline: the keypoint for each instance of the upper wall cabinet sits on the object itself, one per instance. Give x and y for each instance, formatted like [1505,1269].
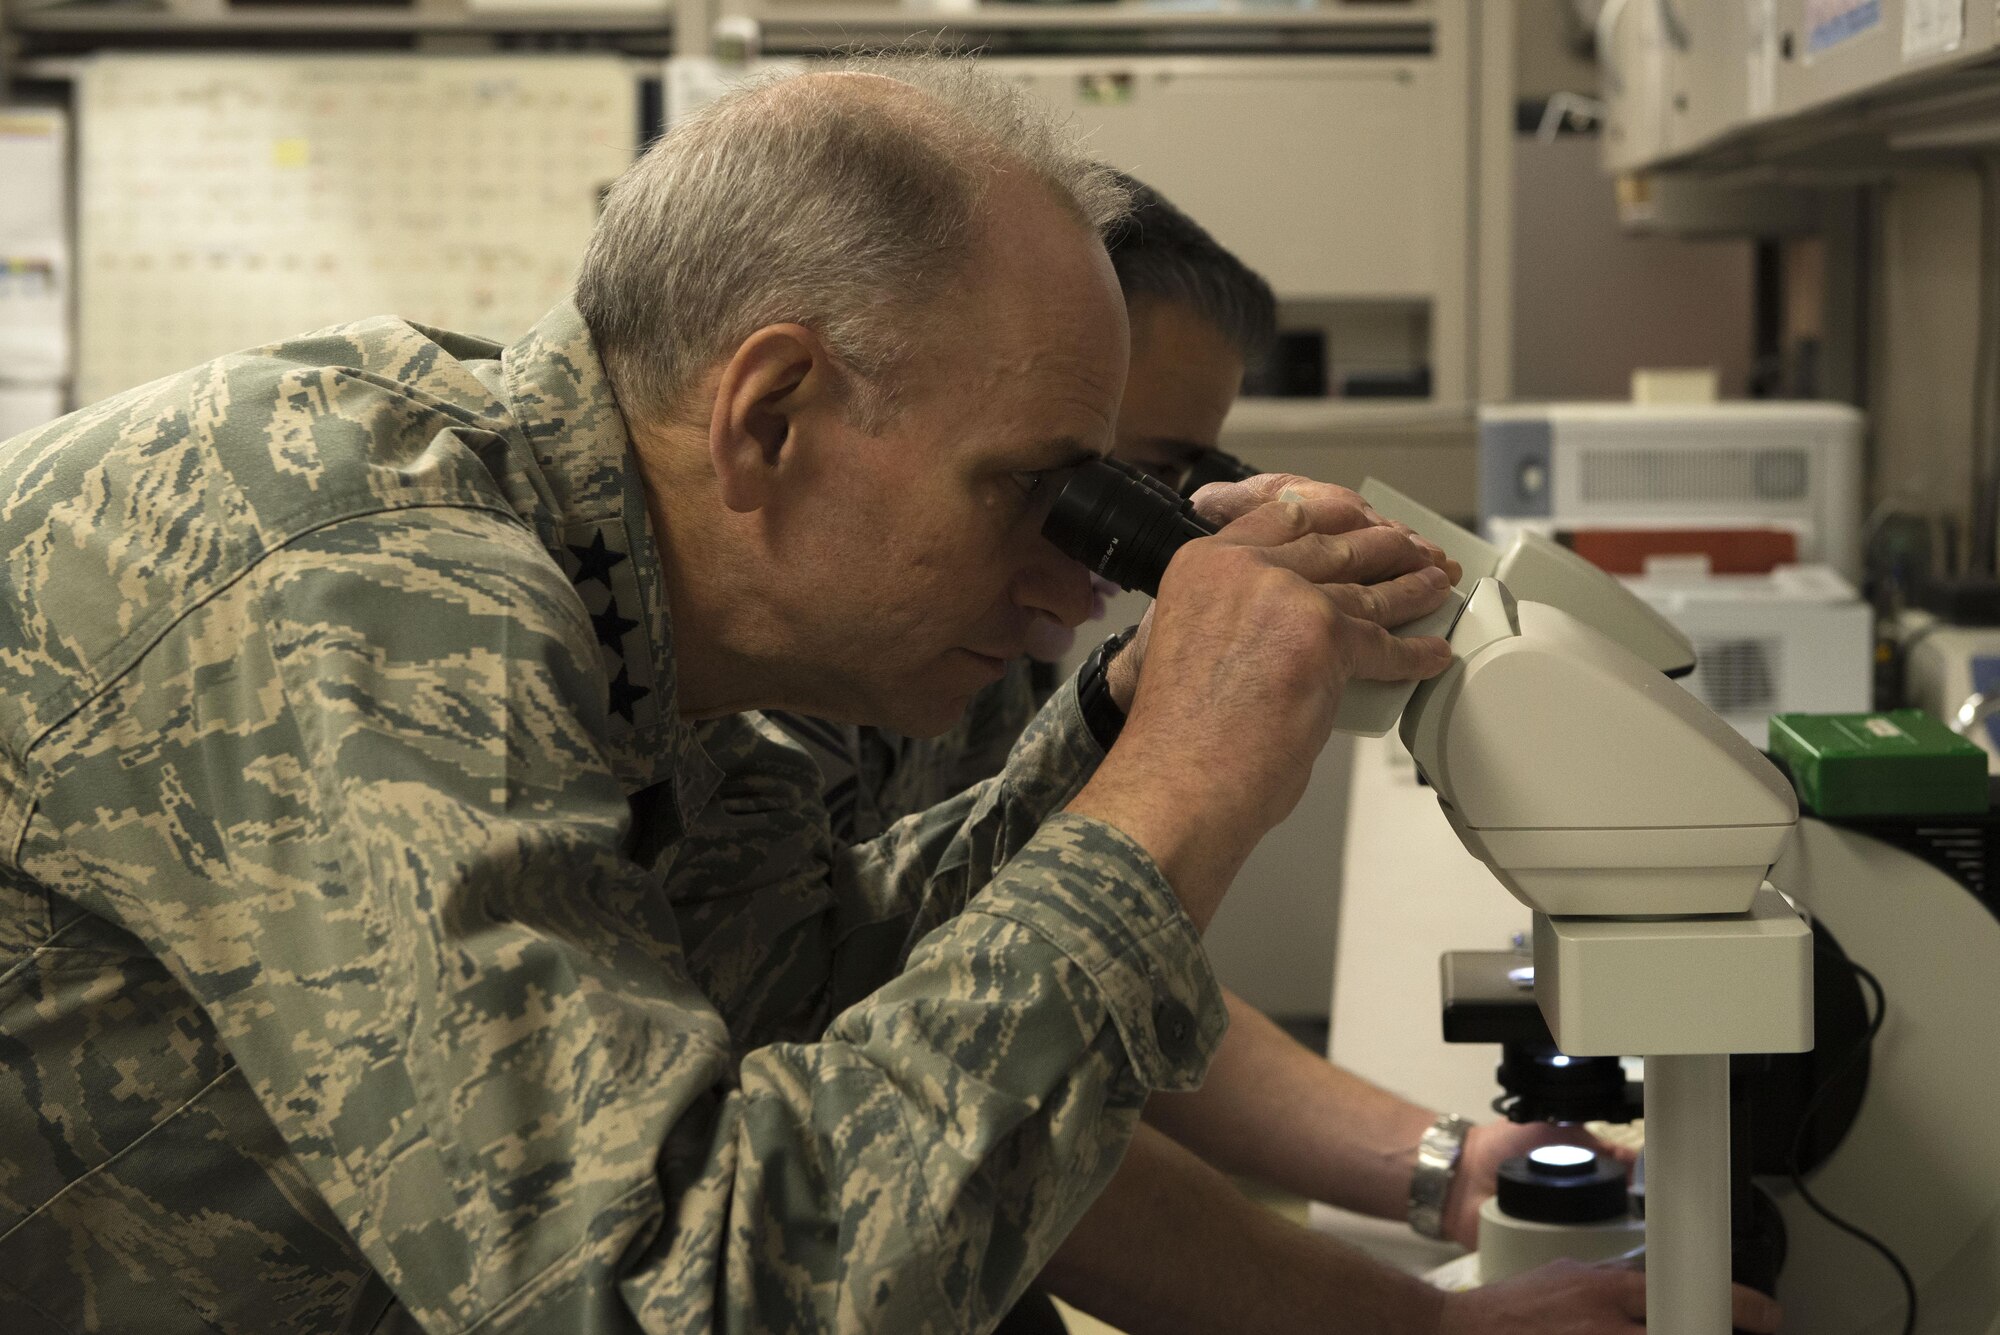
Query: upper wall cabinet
[1775,80]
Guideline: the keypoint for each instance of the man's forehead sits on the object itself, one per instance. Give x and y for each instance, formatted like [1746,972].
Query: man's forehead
[1058,401]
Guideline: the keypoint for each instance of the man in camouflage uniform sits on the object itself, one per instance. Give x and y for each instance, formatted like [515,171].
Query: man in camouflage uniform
[404,922]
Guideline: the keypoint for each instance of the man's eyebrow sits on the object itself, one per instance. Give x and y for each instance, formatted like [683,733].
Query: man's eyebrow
[1062,452]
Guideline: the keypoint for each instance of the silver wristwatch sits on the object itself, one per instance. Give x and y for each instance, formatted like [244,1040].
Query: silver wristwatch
[1437,1164]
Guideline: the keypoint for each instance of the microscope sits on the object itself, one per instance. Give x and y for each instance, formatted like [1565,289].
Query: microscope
[1636,825]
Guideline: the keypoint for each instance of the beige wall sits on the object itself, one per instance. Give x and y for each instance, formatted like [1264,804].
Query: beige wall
[1593,302]
[1544,61]
[1923,341]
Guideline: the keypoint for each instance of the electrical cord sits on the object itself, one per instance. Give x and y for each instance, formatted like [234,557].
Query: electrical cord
[1805,1122]
[1985,534]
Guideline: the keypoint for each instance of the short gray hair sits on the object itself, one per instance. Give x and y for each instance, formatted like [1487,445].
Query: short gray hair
[829,202]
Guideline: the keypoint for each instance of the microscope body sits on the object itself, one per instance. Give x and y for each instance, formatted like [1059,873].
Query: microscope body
[1639,827]
[1635,823]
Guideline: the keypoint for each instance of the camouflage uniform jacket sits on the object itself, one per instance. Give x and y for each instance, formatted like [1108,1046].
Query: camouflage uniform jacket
[872,777]
[371,925]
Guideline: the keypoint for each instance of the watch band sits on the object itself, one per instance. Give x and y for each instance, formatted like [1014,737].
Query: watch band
[1101,713]
[1438,1152]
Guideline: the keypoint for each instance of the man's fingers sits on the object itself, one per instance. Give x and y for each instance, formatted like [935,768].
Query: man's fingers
[1362,556]
[1335,509]
[1394,602]
[1752,1311]
[1321,508]
[1376,655]
[1632,1293]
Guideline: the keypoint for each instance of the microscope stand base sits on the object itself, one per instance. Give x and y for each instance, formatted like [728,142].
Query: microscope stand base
[1683,993]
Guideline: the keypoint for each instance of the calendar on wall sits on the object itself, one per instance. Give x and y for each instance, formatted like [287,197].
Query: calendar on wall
[229,201]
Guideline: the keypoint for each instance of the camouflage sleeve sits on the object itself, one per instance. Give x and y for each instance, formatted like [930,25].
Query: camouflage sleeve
[380,845]
[931,862]
[987,852]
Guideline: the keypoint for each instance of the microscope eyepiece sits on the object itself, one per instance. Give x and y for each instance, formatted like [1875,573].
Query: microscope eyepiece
[1122,524]
[1214,466]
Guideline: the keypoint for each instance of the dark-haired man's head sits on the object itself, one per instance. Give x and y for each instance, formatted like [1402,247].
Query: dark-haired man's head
[1199,315]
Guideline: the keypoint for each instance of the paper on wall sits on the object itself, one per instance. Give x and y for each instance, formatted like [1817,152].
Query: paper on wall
[1932,27]
[1762,55]
[1832,22]
[34,249]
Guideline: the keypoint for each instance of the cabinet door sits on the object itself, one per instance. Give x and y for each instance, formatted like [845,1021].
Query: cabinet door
[1720,60]
[1634,71]
[1334,176]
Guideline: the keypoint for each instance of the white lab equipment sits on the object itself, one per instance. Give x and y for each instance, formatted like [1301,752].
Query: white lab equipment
[1508,1246]
[1531,565]
[1798,640]
[1919,1168]
[1589,782]
[1953,673]
[1534,568]
[1639,827]
[1794,467]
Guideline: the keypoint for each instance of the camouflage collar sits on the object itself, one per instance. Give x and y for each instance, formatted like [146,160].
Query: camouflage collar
[595,525]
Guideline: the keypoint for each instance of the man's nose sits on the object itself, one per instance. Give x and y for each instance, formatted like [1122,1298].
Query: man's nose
[1055,586]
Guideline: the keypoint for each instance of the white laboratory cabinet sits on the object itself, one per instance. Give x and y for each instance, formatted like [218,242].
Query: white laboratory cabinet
[1344,180]
[1683,79]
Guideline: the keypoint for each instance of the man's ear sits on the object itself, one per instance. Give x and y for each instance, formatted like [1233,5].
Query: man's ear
[777,379]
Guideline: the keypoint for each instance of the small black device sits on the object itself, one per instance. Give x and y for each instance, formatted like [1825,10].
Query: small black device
[1214,465]
[1122,524]
[1489,997]
[1562,1184]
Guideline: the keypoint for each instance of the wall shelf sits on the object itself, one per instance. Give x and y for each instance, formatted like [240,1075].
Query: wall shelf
[430,16]
[1325,416]
[1405,31]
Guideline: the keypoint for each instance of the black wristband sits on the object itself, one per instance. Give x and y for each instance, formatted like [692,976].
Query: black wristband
[1101,713]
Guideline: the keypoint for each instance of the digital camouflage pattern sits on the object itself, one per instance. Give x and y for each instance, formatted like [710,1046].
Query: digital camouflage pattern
[379,948]
[872,777]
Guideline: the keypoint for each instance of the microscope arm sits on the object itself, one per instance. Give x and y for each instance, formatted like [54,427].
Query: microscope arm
[1587,781]
[1535,569]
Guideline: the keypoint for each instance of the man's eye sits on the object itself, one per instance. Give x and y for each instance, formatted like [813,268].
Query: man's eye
[1032,482]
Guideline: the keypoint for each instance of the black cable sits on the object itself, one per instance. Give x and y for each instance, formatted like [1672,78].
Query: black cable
[1980,559]
[1805,1122]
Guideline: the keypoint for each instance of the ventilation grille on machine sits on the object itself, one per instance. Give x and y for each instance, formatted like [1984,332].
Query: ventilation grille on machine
[1739,676]
[1666,477]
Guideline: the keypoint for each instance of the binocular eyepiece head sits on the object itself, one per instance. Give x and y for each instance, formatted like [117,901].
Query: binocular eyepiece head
[1122,524]
[1126,525]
